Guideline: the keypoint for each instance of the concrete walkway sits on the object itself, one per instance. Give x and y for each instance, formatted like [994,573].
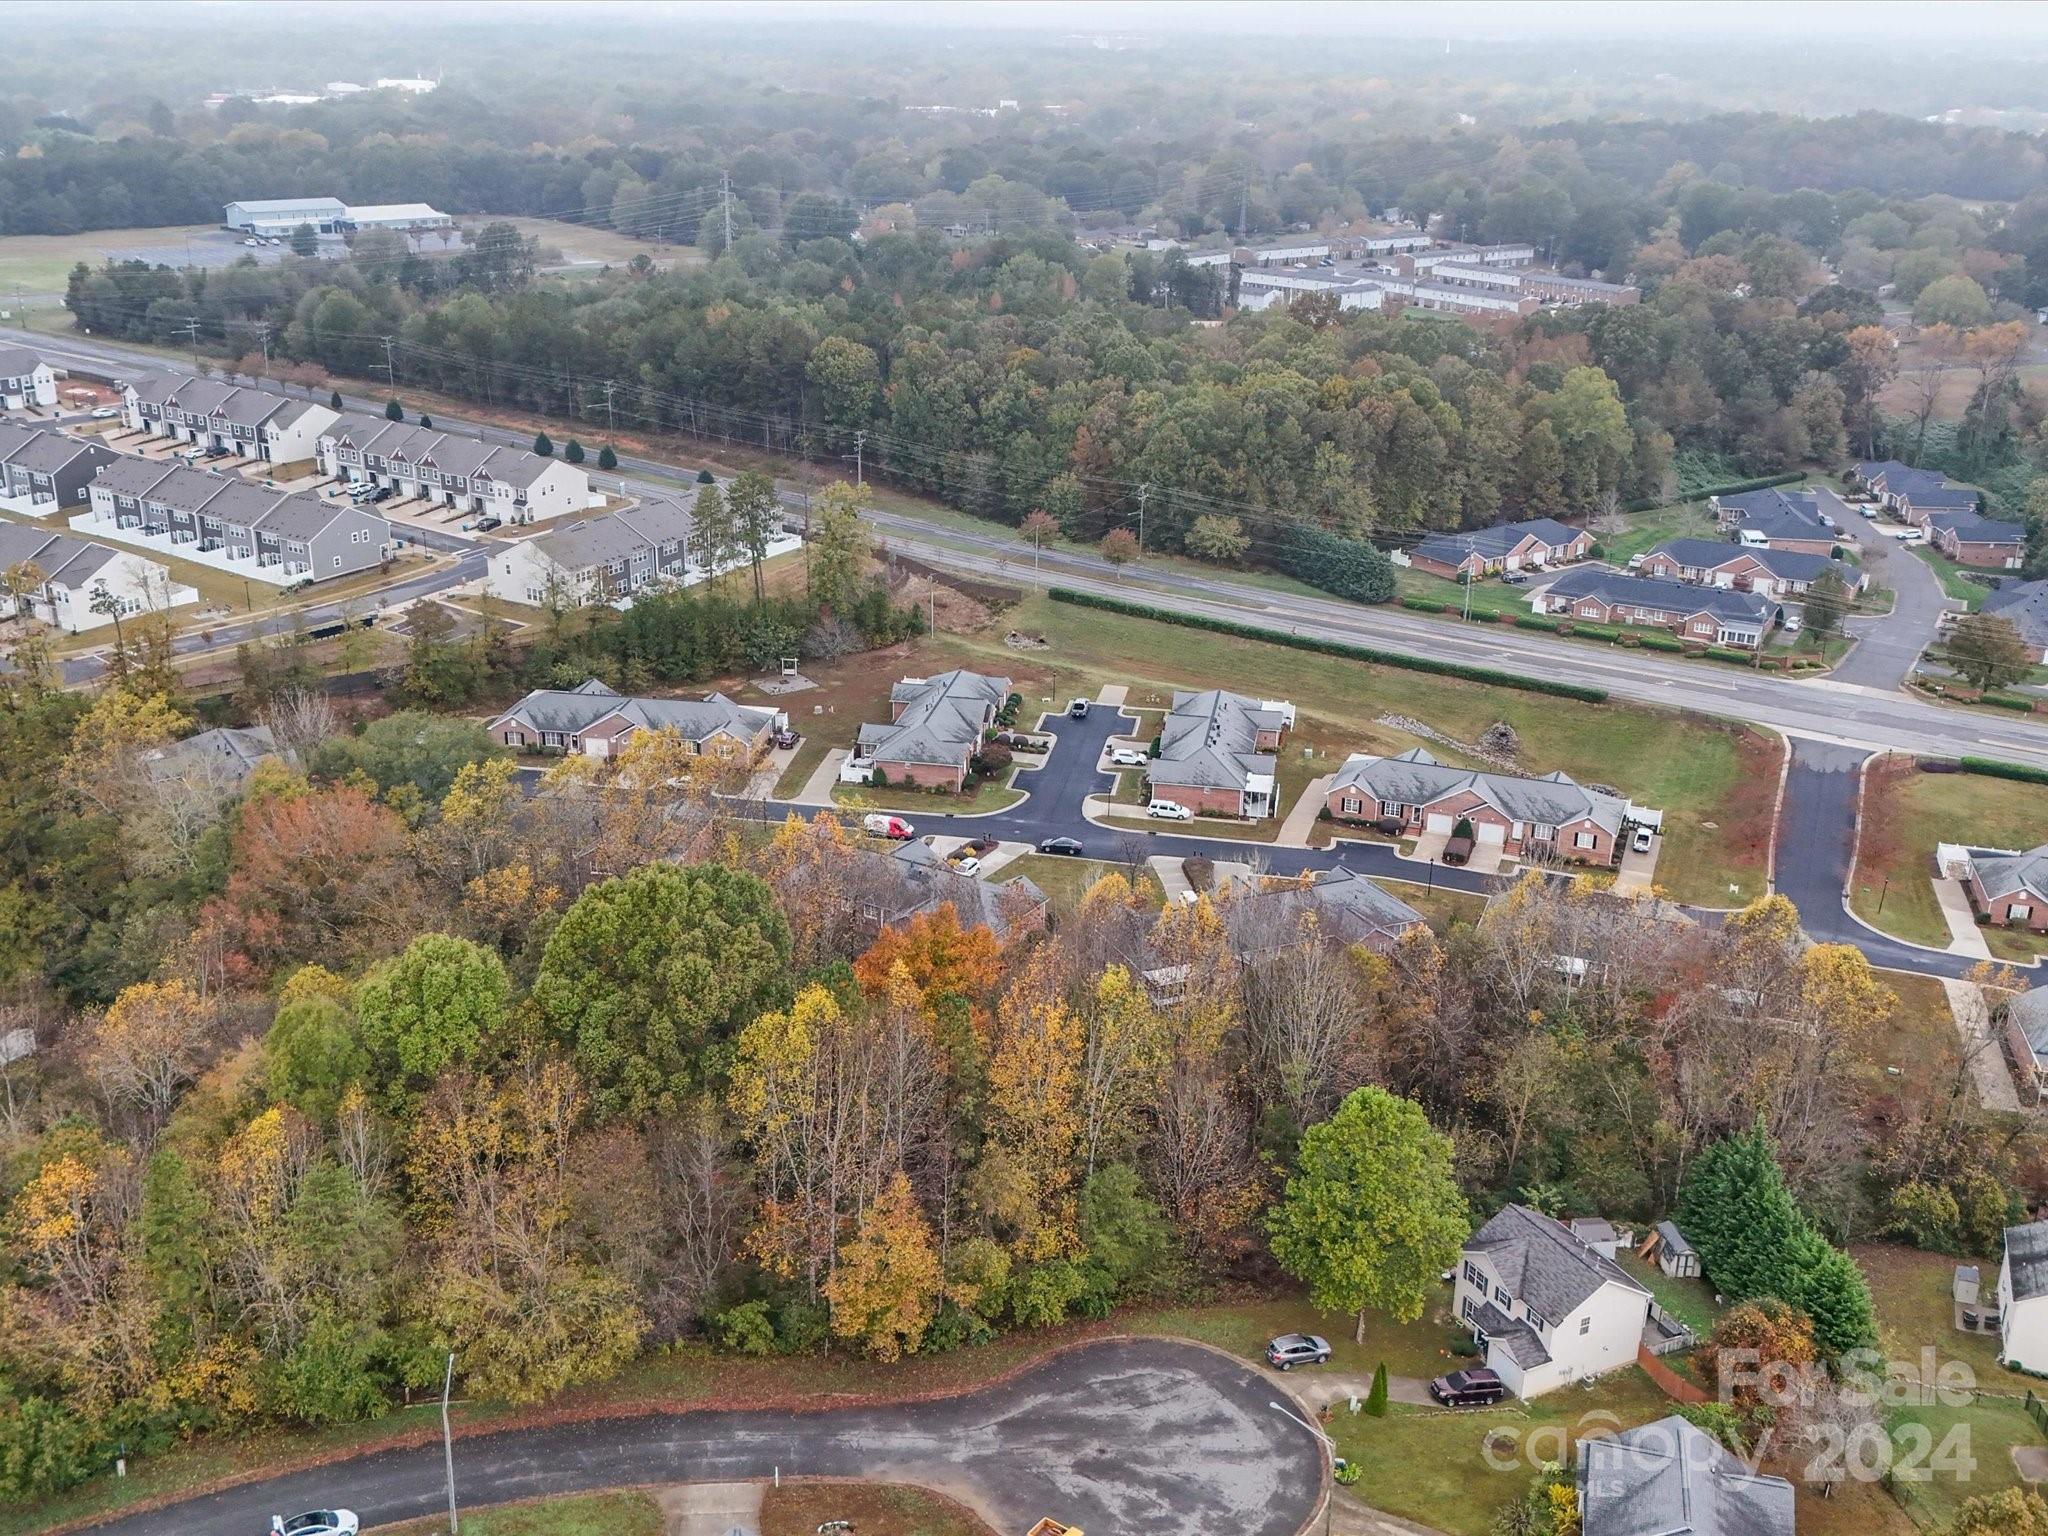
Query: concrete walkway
[1113,695]
[1321,1387]
[1964,936]
[817,788]
[1301,816]
[1987,1062]
[1354,1517]
[711,1509]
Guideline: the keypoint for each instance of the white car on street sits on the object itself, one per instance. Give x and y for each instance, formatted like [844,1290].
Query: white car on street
[1169,810]
[1128,757]
[317,1522]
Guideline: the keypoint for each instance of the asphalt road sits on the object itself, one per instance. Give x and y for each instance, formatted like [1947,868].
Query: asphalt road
[1888,647]
[1139,1437]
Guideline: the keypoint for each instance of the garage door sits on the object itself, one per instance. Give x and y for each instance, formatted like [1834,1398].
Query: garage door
[1439,823]
[1489,832]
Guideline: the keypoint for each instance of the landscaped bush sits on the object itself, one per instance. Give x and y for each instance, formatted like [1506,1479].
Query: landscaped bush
[1531,621]
[1425,605]
[1345,567]
[1332,647]
[1661,643]
[1992,768]
[1596,631]
[747,1329]
[1724,653]
[2010,701]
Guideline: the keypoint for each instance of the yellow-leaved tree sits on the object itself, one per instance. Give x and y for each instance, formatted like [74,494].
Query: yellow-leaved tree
[885,1288]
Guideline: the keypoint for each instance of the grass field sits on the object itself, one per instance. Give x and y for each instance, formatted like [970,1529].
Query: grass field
[1646,530]
[42,263]
[1687,1298]
[875,1509]
[1717,782]
[1905,813]
[988,795]
[587,1514]
[1066,880]
[582,245]
[1488,597]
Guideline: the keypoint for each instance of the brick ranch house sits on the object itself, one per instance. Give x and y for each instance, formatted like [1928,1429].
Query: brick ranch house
[1530,545]
[2007,889]
[595,721]
[936,725]
[1969,538]
[1915,494]
[1708,615]
[1795,520]
[1217,754]
[1549,817]
[1744,567]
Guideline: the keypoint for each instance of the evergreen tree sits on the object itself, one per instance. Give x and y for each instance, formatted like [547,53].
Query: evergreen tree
[1376,1397]
[393,411]
[705,477]
[542,446]
[573,452]
[334,401]
[426,420]
[607,457]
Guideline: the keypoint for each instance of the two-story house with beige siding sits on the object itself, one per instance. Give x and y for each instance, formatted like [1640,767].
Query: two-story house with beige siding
[1547,1309]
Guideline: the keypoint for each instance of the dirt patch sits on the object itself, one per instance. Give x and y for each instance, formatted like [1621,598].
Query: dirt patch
[1879,824]
[873,1509]
[964,605]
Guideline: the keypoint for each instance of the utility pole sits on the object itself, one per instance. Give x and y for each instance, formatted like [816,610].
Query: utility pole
[1144,494]
[609,386]
[1469,579]
[448,1443]
[860,439]
[1244,197]
[390,364]
[725,199]
[191,330]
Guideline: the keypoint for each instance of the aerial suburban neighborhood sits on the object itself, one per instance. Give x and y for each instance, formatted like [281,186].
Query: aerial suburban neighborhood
[893,770]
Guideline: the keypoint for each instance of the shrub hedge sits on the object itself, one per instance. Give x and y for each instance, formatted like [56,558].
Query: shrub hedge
[2011,701]
[1732,488]
[1425,605]
[1992,768]
[1429,664]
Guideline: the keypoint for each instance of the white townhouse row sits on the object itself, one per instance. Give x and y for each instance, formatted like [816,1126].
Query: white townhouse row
[77,585]
[225,418]
[514,485]
[25,380]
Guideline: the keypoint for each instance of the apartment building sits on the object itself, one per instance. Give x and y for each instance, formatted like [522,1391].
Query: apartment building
[200,514]
[513,485]
[1258,290]
[42,470]
[1707,614]
[250,423]
[82,585]
[605,559]
[25,380]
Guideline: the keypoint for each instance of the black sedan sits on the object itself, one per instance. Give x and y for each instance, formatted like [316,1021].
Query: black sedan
[1067,845]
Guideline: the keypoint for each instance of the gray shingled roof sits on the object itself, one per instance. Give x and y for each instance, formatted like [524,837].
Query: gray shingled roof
[131,477]
[1672,1238]
[199,397]
[516,467]
[1778,514]
[2026,1250]
[236,751]
[63,560]
[695,719]
[240,502]
[564,709]
[1494,543]
[1514,1338]
[1711,554]
[2030,1012]
[1724,603]
[300,516]
[48,452]
[187,490]
[17,362]
[2008,874]
[1416,778]
[1210,741]
[2025,603]
[1668,1478]
[1542,1264]
[249,407]
[156,387]
[942,717]
[1973,528]
[13,435]
[928,882]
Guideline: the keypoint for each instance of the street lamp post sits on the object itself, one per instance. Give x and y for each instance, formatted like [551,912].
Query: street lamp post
[1329,1449]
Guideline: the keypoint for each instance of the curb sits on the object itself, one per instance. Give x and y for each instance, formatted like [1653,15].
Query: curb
[1778,811]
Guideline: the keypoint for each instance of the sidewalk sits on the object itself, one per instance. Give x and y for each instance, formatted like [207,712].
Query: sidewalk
[1964,938]
[817,788]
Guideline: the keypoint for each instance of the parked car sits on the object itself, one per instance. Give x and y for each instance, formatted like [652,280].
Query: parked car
[1642,840]
[252,240]
[1077,709]
[1292,1349]
[487,524]
[1794,622]
[1457,850]
[1128,757]
[317,1522]
[105,413]
[1473,1388]
[967,866]
[1070,846]
[784,738]
[1513,578]
[384,493]
[881,824]
[1169,810]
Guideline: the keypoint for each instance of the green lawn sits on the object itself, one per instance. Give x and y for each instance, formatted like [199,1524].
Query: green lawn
[1953,581]
[1433,1466]
[1488,597]
[1910,1290]
[1646,530]
[987,795]
[584,1514]
[1066,880]
[1441,906]
[1421,1348]
[1687,1298]
[1955,1453]
[1717,782]
[1906,813]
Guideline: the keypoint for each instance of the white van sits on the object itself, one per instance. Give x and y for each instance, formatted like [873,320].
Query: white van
[1169,810]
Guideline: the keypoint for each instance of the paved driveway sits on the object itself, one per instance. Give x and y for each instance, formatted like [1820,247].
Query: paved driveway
[1140,1437]
[1887,647]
